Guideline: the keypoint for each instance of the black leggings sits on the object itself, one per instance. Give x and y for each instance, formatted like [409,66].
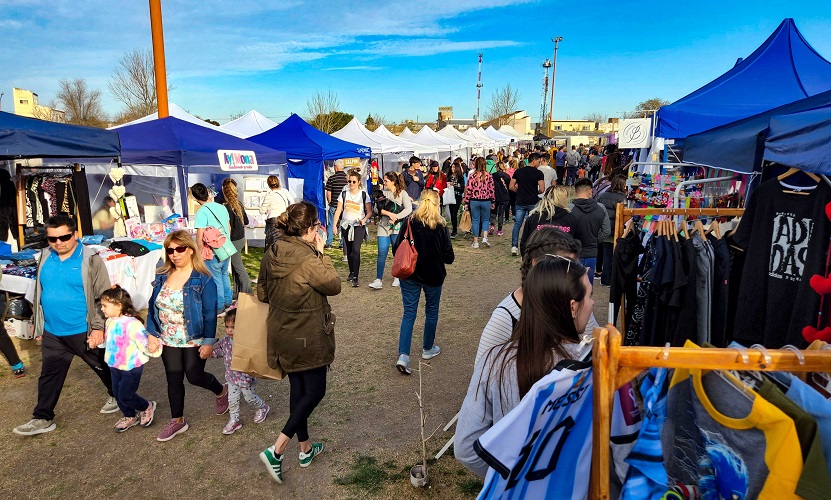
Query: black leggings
[7,347]
[307,390]
[353,249]
[454,216]
[178,363]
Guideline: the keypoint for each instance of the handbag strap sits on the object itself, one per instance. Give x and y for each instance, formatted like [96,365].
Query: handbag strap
[221,227]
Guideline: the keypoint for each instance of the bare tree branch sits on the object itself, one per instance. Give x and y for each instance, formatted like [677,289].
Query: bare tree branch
[81,104]
[503,103]
[133,83]
[374,120]
[597,117]
[321,109]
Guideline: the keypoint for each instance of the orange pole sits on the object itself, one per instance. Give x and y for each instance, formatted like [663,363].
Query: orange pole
[158,56]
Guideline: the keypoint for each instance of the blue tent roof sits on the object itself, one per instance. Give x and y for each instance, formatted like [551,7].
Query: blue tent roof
[784,69]
[22,137]
[738,146]
[302,141]
[171,141]
[801,140]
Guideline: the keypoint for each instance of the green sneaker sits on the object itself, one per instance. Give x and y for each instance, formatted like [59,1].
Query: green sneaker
[306,458]
[273,462]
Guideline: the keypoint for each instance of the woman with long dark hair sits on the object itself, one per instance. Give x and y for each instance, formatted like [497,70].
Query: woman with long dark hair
[295,280]
[239,219]
[480,198]
[557,304]
[390,223]
[456,180]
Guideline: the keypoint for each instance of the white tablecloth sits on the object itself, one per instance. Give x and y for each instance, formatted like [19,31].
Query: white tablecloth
[134,274]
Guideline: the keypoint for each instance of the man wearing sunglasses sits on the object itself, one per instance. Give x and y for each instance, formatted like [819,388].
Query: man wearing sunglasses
[70,278]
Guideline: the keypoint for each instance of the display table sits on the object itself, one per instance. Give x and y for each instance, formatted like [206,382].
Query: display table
[134,274]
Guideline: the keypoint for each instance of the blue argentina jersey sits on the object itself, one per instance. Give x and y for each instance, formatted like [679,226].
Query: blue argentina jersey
[542,448]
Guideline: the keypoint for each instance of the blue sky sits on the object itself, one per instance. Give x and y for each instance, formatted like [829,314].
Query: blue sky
[401,60]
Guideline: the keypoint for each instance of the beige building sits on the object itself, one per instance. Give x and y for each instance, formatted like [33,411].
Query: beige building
[26,104]
[572,125]
[518,120]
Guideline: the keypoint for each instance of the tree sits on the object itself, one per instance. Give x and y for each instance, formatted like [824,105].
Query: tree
[133,83]
[81,104]
[598,117]
[238,114]
[373,121]
[212,122]
[646,108]
[503,103]
[323,112]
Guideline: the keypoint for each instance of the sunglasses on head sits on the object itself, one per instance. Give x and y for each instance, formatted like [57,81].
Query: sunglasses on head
[63,237]
[179,249]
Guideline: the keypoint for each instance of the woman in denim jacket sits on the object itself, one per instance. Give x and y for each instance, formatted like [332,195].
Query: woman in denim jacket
[182,313]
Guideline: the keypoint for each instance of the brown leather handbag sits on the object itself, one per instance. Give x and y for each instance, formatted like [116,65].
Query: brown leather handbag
[406,255]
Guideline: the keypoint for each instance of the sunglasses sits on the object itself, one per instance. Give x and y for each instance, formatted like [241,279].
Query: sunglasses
[179,249]
[64,237]
[555,256]
[353,182]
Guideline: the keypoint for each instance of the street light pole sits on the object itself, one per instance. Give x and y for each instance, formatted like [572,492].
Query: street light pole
[556,41]
[1,100]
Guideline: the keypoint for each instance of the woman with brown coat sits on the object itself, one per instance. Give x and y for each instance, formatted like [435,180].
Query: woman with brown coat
[295,279]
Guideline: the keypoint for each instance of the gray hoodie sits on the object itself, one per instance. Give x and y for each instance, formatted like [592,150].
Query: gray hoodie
[591,226]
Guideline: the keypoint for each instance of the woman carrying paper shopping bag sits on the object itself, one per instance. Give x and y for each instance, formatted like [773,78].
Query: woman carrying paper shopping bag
[295,280]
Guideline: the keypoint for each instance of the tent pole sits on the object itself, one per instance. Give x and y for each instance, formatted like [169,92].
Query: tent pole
[158,57]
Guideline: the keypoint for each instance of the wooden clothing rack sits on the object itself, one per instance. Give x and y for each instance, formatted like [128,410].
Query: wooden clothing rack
[614,365]
[622,214]
[21,197]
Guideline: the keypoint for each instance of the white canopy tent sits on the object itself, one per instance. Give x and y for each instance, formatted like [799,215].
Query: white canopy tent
[249,124]
[444,145]
[487,143]
[406,134]
[391,151]
[178,112]
[498,136]
[473,145]
[511,132]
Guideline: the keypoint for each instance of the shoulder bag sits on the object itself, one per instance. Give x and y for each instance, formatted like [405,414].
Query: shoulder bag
[214,241]
[406,256]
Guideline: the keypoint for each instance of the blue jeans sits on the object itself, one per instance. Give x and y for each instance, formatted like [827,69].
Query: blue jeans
[410,294]
[330,219]
[384,243]
[480,213]
[589,263]
[521,213]
[219,271]
[571,176]
[125,386]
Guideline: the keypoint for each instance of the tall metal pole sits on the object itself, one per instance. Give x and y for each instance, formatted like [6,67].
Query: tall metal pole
[158,56]
[546,66]
[478,91]
[1,100]
[556,41]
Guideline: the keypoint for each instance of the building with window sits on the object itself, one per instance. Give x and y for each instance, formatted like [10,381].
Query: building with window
[26,104]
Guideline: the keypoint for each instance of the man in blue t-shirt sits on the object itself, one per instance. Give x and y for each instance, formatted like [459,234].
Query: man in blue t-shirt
[70,279]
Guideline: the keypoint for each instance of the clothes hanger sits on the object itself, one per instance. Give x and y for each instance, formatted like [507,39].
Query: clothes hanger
[797,189]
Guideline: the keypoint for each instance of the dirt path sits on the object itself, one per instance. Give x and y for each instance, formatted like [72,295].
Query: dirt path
[368,420]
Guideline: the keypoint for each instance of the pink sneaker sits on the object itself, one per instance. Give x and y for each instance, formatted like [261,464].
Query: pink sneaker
[222,401]
[147,415]
[499,233]
[171,429]
[231,427]
[491,230]
[261,414]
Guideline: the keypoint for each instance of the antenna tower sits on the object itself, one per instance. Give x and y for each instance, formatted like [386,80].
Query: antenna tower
[478,91]
[546,66]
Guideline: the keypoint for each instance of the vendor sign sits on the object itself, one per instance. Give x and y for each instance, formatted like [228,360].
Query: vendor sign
[237,161]
[635,133]
[351,163]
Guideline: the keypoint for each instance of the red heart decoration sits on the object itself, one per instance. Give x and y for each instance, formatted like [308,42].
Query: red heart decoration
[820,284]
[811,334]
[828,210]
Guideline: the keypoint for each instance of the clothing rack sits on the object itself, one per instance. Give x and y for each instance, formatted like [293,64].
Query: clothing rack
[21,196]
[622,213]
[614,365]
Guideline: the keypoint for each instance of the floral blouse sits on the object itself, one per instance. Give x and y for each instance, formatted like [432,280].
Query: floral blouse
[171,307]
[479,189]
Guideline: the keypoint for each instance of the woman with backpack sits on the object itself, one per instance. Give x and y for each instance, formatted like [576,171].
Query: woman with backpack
[616,194]
[390,223]
[352,214]
[239,219]
[212,223]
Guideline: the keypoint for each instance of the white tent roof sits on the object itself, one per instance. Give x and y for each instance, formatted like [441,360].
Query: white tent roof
[177,112]
[249,124]
[510,131]
[477,136]
[384,131]
[450,132]
[444,145]
[406,134]
[497,135]
[356,132]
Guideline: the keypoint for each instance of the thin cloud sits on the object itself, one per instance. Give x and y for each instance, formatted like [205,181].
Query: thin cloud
[356,68]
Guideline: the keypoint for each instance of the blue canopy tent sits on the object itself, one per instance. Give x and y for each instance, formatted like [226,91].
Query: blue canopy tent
[22,137]
[189,148]
[801,140]
[782,70]
[739,146]
[307,148]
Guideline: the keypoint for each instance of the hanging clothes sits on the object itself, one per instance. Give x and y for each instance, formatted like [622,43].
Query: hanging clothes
[785,240]
[625,275]
[720,290]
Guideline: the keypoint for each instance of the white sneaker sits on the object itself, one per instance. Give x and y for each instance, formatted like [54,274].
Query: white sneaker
[344,259]
[111,406]
[396,282]
[486,242]
[403,364]
[376,285]
[474,245]
[514,251]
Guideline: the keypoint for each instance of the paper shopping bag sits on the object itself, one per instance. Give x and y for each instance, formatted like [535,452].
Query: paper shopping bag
[251,339]
[466,224]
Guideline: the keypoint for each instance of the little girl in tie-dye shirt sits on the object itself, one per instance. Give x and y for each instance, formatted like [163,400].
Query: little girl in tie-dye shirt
[127,349]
